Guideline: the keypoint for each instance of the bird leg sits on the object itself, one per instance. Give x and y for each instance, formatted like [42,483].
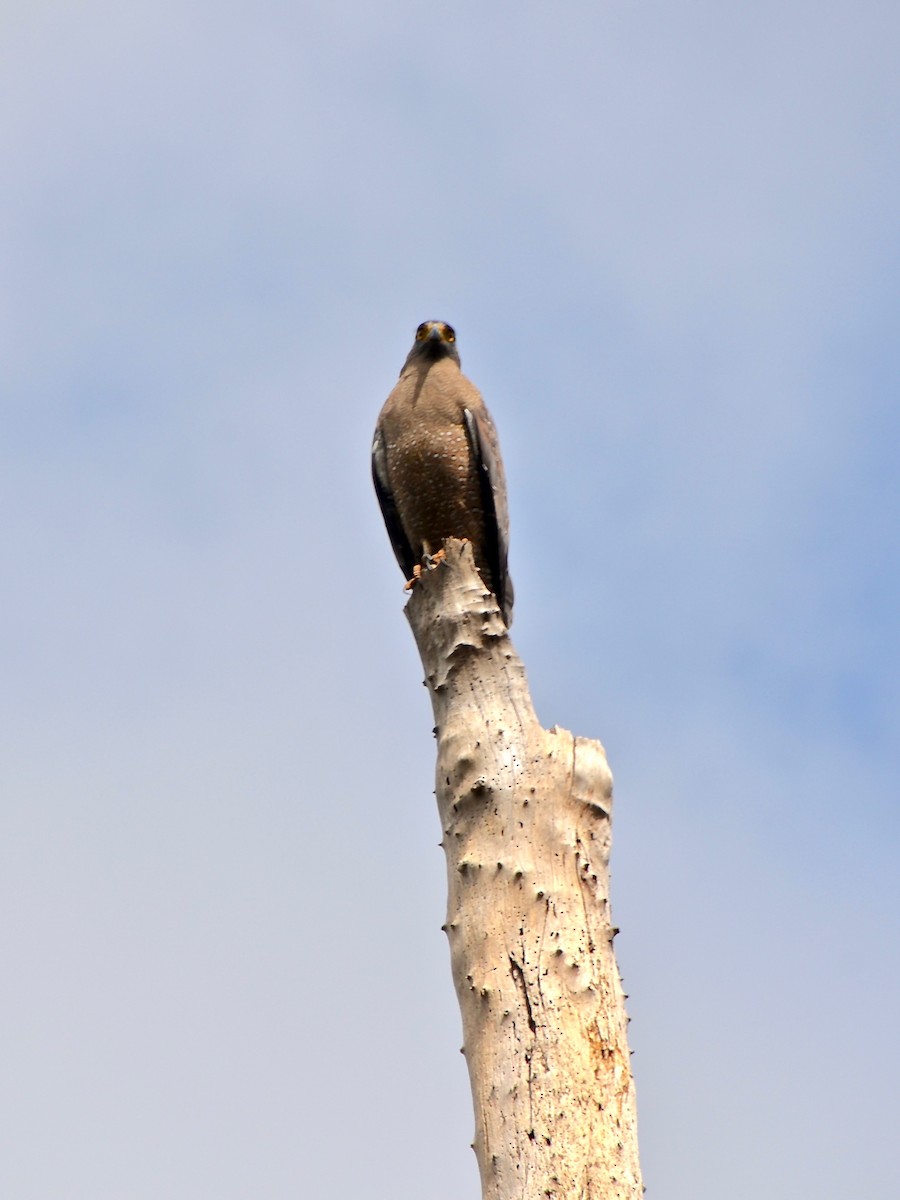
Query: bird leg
[428,563]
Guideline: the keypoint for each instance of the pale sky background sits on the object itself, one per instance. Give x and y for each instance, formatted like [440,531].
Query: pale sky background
[668,236]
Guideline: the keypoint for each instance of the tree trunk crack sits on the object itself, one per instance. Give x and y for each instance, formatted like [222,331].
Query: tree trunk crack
[586,908]
[518,976]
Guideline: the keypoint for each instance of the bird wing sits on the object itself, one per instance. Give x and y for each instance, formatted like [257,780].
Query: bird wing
[486,454]
[400,542]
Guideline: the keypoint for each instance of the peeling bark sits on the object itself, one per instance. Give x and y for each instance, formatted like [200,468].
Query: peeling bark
[525,814]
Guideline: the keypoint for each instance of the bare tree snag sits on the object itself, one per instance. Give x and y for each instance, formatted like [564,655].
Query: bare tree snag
[525,814]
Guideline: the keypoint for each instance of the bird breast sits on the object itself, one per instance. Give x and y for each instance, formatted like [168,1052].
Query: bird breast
[432,472]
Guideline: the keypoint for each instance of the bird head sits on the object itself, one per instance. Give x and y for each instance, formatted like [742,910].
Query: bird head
[434,340]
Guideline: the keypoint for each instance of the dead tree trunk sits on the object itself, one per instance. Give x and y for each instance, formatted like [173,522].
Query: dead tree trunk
[525,814]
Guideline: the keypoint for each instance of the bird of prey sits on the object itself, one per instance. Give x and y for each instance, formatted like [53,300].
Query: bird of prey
[437,467]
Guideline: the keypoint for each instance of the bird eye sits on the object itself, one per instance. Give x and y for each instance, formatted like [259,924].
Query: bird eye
[422,331]
[449,334]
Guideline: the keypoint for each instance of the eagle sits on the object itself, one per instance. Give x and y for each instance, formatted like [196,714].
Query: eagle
[437,468]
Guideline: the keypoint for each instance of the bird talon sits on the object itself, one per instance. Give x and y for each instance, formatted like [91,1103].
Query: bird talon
[411,583]
[428,563]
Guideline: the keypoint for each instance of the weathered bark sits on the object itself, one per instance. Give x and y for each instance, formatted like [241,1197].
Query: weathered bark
[525,814]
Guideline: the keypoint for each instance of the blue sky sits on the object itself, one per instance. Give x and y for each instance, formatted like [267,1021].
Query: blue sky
[668,241]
